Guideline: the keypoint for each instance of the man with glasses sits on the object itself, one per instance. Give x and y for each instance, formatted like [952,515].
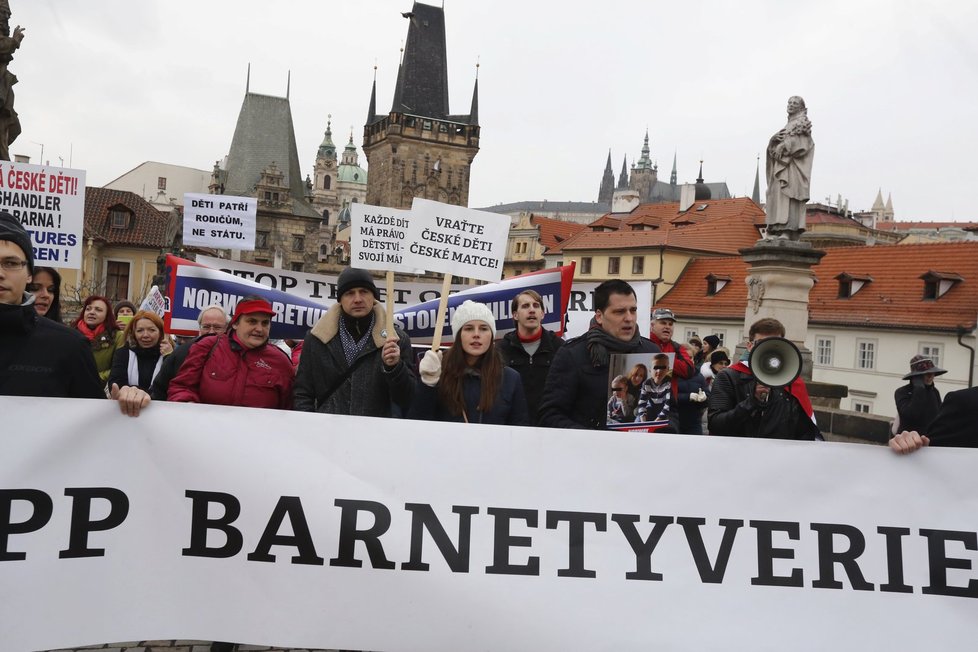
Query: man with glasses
[212,320]
[742,407]
[38,357]
[575,395]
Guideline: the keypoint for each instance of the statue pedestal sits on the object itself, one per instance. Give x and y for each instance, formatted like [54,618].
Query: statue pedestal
[778,281]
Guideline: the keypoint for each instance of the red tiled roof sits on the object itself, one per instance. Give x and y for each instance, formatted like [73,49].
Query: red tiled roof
[724,226]
[894,298]
[906,226]
[147,226]
[606,221]
[554,232]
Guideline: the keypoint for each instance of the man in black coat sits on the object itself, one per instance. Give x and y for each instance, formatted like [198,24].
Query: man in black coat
[576,392]
[212,320]
[918,402]
[956,425]
[530,348]
[38,357]
[740,406]
[350,364]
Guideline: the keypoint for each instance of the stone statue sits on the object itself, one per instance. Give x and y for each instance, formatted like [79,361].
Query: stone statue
[9,122]
[789,169]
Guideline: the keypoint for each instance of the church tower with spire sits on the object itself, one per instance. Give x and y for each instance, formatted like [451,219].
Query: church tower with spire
[644,173]
[607,188]
[324,189]
[419,149]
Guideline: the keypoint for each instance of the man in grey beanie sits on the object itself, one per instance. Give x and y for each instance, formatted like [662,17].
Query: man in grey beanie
[350,364]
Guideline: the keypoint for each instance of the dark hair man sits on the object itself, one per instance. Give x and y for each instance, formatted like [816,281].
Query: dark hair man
[530,348]
[575,395]
[38,357]
[340,371]
[742,407]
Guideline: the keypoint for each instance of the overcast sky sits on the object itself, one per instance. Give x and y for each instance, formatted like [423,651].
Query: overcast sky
[891,87]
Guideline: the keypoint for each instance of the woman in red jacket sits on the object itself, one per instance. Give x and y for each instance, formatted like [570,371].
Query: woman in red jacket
[238,367]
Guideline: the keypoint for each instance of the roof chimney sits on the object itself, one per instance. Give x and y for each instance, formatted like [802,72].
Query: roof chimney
[687,196]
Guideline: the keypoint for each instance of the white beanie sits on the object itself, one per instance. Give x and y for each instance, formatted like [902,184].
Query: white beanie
[472,311]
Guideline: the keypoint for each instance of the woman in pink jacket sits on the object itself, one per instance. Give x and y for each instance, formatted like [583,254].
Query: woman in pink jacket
[239,367]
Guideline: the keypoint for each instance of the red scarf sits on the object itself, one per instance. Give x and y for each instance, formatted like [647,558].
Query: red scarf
[797,389]
[532,338]
[88,332]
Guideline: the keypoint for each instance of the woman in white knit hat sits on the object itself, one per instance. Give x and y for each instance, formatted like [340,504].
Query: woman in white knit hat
[470,384]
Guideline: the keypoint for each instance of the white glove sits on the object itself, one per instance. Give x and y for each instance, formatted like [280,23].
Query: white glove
[698,397]
[430,368]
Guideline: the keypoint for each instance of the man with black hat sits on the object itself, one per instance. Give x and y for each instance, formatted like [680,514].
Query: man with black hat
[38,357]
[918,402]
[350,364]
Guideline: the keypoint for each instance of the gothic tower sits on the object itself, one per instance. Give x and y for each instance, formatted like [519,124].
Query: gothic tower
[418,149]
[607,188]
[644,173]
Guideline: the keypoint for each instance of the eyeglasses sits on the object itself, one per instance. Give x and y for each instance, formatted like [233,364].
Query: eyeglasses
[618,389]
[660,368]
[12,264]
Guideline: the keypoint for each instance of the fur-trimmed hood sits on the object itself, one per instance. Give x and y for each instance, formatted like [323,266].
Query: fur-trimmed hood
[328,325]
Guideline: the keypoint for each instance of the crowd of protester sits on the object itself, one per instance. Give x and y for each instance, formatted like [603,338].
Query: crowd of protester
[353,363]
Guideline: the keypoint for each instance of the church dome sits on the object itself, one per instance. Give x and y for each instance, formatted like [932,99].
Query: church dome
[352,174]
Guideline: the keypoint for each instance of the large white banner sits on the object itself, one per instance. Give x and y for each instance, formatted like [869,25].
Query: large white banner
[50,203]
[310,530]
[220,221]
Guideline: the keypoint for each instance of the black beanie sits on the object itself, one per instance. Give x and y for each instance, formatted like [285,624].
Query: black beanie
[12,230]
[712,340]
[355,278]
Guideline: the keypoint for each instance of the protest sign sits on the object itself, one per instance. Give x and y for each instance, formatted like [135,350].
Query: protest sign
[154,302]
[192,286]
[580,309]
[457,240]
[379,238]
[296,530]
[553,285]
[50,203]
[219,221]
[645,406]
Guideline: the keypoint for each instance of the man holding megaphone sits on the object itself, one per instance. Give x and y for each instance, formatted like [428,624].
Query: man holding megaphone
[763,396]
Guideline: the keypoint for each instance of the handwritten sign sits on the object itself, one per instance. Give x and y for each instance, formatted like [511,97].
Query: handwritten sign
[457,240]
[50,203]
[379,238]
[220,221]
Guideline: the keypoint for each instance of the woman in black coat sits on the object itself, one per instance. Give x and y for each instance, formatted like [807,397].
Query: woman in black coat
[470,384]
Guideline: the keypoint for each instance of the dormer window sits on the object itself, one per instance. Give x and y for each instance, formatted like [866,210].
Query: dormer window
[850,284]
[936,284]
[119,217]
[715,283]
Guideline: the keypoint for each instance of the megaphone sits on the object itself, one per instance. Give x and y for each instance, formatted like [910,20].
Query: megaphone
[775,361]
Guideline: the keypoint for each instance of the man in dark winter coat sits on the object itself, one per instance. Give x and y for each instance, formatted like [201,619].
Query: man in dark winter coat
[918,402]
[742,407]
[956,425]
[38,357]
[530,348]
[212,320]
[576,395]
[352,335]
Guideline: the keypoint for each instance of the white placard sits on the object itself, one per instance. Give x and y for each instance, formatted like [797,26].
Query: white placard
[379,238]
[300,530]
[457,240]
[219,221]
[50,203]
[154,301]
